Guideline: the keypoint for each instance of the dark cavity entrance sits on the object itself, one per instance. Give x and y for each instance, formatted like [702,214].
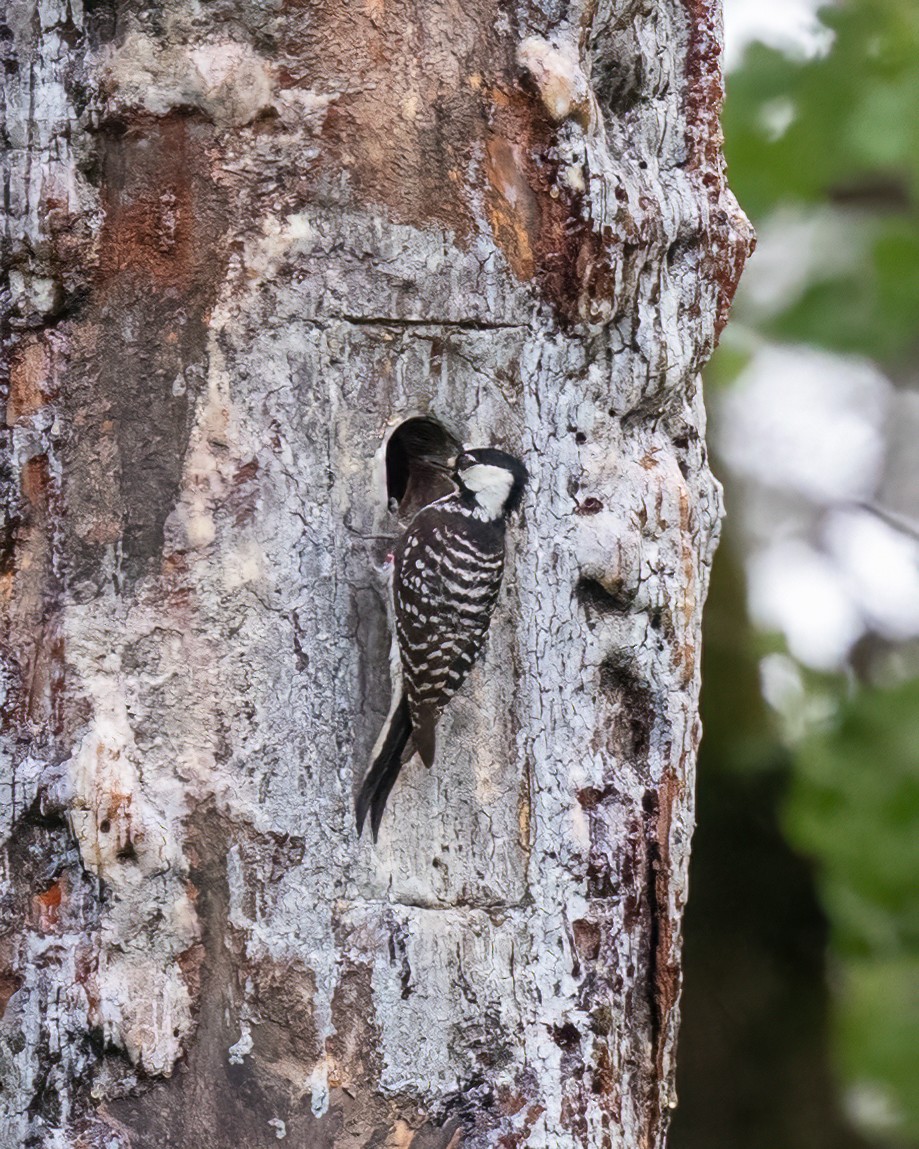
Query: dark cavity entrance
[416,451]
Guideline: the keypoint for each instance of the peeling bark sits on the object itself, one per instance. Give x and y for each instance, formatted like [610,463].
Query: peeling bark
[243,245]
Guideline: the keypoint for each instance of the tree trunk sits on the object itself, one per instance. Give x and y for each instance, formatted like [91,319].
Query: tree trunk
[246,243]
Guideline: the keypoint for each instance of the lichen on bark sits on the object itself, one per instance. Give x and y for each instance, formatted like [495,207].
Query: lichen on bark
[244,244]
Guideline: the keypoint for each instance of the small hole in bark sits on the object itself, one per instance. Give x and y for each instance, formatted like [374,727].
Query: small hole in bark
[686,250]
[589,797]
[587,938]
[413,453]
[619,80]
[633,707]
[580,437]
[266,115]
[593,595]
[104,826]
[566,1036]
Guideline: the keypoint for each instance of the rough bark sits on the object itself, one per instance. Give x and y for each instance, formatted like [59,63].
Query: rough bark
[245,242]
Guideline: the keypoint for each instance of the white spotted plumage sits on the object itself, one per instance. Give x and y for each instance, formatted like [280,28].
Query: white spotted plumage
[447,577]
[443,617]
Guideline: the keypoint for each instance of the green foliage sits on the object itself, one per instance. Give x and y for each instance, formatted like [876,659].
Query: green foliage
[838,136]
[854,807]
[843,131]
[877,1021]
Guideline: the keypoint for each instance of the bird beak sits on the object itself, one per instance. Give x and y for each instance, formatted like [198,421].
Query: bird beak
[437,465]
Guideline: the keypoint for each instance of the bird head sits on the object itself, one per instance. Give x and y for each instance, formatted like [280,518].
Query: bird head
[493,479]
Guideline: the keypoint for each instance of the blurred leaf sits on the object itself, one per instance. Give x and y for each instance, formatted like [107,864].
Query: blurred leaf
[728,362]
[834,141]
[841,130]
[854,808]
[878,1023]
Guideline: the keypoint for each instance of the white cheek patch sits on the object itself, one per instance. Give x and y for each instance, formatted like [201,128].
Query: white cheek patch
[490,485]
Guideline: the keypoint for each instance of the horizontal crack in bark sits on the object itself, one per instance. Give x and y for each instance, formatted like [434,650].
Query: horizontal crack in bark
[485,907]
[463,324]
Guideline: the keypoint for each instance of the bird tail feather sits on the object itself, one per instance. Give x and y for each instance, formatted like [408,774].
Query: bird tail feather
[384,770]
[423,736]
